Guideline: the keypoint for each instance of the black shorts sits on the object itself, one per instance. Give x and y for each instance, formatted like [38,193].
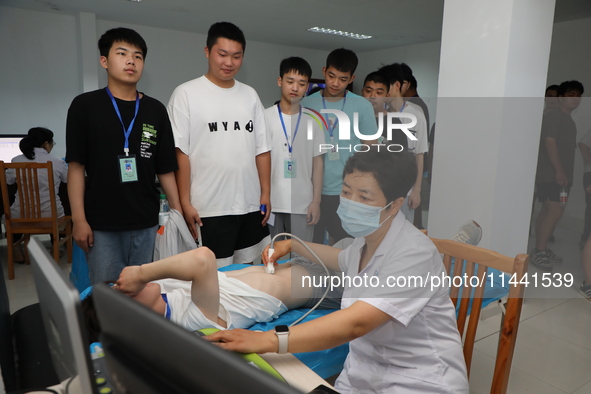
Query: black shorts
[226,234]
[550,191]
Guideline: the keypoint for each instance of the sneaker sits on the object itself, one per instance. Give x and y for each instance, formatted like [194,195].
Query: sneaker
[585,290]
[555,259]
[469,233]
[540,259]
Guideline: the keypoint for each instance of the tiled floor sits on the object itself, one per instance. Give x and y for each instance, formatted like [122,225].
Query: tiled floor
[553,351]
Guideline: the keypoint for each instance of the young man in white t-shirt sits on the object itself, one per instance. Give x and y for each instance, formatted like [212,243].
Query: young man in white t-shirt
[296,161]
[396,103]
[376,89]
[223,151]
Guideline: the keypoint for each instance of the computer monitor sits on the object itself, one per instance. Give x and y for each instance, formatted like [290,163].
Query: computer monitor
[9,146]
[146,354]
[62,319]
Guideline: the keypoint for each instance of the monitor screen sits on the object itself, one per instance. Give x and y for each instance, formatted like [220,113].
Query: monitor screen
[145,353]
[62,319]
[9,147]
[315,86]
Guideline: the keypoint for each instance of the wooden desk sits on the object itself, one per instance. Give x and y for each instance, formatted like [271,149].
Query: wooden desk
[295,372]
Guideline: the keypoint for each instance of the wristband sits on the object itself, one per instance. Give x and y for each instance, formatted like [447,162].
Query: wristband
[282,333]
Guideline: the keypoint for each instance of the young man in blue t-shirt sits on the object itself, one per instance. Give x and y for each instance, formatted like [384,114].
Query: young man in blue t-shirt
[339,73]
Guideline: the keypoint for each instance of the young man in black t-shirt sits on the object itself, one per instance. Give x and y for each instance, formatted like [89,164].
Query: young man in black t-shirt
[555,170]
[121,139]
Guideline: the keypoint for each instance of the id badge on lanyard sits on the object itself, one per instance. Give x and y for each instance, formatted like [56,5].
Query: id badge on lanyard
[289,164]
[289,168]
[127,162]
[333,154]
[128,170]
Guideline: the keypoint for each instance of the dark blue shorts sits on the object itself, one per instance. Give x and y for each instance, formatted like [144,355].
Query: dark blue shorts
[550,191]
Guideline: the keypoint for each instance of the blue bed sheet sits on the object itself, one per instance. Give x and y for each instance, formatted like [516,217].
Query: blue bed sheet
[325,363]
[330,362]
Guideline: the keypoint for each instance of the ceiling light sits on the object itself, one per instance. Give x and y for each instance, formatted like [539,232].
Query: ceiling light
[135,1]
[339,33]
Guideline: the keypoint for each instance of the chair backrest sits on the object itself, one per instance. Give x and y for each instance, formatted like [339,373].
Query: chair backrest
[28,192]
[469,261]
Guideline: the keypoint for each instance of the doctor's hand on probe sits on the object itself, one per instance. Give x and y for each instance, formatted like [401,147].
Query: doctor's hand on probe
[282,248]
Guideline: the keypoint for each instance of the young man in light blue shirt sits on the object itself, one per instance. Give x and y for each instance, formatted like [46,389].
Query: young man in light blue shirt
[339,73]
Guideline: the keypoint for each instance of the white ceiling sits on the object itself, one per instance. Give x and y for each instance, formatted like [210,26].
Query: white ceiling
[391,22]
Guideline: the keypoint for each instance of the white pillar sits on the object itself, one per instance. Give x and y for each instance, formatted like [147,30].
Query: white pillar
[87,51]
[494,61]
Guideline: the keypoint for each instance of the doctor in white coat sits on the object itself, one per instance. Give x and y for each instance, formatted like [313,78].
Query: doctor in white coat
[402,333]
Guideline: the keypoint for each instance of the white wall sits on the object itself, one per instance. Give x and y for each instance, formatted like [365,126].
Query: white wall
[422,58]
[175,57]
[492,52]
[39,72]
[569,59]
[40,75]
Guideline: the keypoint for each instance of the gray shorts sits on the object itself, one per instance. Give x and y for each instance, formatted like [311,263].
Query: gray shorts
[318,275]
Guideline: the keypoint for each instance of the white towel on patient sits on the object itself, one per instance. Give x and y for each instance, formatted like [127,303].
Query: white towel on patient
[241,306]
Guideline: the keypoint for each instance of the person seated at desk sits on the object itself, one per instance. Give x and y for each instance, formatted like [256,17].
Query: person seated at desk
[188,290]
[403,338]
[36,148]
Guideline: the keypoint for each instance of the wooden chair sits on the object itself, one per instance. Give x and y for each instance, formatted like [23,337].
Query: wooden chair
[473,260]
[30,220]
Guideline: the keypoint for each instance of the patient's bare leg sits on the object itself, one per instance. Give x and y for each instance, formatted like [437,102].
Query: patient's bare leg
[197,266]
[205,288]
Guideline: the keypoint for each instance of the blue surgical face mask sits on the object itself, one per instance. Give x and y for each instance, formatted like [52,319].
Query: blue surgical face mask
[358,219]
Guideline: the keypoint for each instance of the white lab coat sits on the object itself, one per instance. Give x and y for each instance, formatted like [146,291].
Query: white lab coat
[419,350]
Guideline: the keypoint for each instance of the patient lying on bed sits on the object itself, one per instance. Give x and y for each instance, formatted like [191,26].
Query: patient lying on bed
[188,290]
